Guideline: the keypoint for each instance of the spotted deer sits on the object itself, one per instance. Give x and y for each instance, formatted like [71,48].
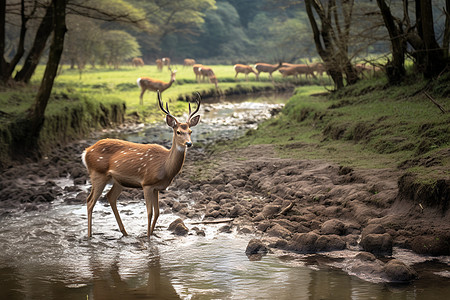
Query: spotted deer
[151,167]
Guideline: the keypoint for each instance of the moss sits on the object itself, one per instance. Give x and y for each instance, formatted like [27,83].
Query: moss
[67,118]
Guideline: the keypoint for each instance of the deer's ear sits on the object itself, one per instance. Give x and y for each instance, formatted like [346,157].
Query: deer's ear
[194,121]
[171,121]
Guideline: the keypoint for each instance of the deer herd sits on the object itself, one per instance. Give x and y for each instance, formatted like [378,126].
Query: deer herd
[206,74]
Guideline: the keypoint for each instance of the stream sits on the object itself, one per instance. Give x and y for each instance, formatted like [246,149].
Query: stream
[47,255]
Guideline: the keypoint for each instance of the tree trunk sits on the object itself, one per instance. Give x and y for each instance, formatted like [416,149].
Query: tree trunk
[446,38]
[7,68]
[40,40]
[395,69]
[323,41]
[434,58]
[2,38]
[25,142]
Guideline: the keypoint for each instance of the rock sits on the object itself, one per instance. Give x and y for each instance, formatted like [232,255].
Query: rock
[256,246]
[178,227]
[378,244]
[429,244]
[365,265]
[238,183]
[278,231]
[303,242]
[397,271]
[373,229]
[365,256]
[329,243]
[237,210]
[225,229]
[271,210]
[262,226]
[333,226]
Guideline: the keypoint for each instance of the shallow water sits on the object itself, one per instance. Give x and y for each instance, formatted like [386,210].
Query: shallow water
[46,254]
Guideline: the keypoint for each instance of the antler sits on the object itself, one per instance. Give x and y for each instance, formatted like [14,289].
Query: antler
[166,111]
[198,107]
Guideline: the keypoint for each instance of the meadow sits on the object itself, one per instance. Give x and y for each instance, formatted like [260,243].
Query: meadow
[103,84]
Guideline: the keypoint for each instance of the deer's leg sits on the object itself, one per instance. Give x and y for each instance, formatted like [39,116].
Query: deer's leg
[98,182]
[152,204]
[112,196]
[141,99]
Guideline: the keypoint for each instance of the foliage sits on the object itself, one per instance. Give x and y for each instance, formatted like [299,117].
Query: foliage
[119,46]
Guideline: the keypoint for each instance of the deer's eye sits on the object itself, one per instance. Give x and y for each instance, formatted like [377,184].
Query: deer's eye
[178,132]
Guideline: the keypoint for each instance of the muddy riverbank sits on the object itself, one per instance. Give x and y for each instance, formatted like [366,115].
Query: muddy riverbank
[298,206]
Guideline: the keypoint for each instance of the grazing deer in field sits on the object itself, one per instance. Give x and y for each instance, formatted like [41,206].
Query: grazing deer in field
[196,69]
[151,84]
[159,64]
[288,71]
[267,68]
[238,68]
[137,62]
[166,62]
[148,166]
[319,68]
[208,72]
[189,62]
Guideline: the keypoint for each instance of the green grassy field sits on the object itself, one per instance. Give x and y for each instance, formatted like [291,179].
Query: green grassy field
[365,126]
[104,83]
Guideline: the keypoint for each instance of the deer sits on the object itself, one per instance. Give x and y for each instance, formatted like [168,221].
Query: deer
[267,68]
[208,72]
[151,167]
[159,64]
[166,61]
[137,62]
[238,68]
[288,71]
[196,69]
[146,83]
[189,62]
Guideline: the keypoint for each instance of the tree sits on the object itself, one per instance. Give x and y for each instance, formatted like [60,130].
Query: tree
[171,21]
[25,140]
[332,38]
[84,42]
[41,11]
[25,13]
[281,37]
[417,31]
[119,46]
[42,34]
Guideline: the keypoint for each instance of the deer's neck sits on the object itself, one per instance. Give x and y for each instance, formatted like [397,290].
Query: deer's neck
[175,160]
[167,85]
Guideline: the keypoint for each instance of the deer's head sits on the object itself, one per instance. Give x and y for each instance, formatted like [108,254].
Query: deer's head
[181,131]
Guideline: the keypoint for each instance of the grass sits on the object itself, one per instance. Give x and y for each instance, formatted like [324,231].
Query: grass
[103,83]
[368,125]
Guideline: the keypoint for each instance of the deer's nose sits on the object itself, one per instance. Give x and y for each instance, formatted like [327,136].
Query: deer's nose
[188,144]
